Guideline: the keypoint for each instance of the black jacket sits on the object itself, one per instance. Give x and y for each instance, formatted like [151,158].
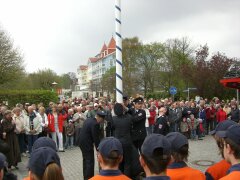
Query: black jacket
[161,126]
[139,130]
[122,126]
[89,134]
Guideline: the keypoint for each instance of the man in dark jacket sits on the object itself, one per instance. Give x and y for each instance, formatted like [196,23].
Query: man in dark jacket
[235,113]
[139,117]
[89,135]
[122,124]
[174,117]
[161,126]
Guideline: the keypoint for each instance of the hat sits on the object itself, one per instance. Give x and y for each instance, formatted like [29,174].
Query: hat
[3,162]
[41,158]
[177,140]
[222,126]
[109,144]
[153,142]
[95,104]
[233,133]
[138,100]
[27,104]
[118,109]
[101,113]
[44,142]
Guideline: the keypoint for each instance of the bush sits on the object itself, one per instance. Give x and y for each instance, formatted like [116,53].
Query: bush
[27,96]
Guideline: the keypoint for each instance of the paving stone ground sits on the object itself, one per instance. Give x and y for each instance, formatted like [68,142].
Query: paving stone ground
[71,160]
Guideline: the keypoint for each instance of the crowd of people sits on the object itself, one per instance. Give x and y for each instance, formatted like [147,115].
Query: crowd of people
[136,136]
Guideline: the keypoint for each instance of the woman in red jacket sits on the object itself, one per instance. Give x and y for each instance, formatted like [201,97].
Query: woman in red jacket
[221,115]
[55,124]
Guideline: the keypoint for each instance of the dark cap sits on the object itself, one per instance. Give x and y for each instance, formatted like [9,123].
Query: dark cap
[109,144]
[153,142]
[138,100]
[222,126]
[101,113]
[41,158]
[44,142]
[3,162]
[118,109]
[233,133]
[177,140]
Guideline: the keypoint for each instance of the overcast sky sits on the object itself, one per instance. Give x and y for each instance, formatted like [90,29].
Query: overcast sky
[61,35]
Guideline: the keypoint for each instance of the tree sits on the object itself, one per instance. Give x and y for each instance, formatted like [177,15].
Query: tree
[108,81]
[11,62]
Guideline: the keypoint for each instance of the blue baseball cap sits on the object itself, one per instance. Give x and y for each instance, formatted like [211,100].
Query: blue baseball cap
[101,113]
[222,126]
[233,133]
[153,142]
[41,158]
[177,140]
[109,144]
[44,142]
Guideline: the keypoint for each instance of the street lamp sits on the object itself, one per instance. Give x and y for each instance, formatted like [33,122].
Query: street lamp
[188,91]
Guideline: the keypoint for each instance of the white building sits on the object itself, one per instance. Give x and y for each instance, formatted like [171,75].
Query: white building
[89,77]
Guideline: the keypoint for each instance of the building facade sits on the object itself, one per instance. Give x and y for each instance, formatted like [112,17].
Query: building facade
[90,75]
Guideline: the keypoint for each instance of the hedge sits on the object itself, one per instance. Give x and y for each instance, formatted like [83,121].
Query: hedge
[27,96]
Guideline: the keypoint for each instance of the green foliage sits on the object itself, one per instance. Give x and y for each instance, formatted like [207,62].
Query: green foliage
[11,63]
[108,81]
[31,96]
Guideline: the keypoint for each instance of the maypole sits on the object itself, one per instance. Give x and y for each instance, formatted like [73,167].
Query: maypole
[119,88]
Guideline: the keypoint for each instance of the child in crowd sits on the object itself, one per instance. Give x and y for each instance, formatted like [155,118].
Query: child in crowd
[69,129]
[184,127]
[193,124]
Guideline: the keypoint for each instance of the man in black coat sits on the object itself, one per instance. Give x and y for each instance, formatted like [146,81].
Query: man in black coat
[139,118]
[90,136]
[162,125]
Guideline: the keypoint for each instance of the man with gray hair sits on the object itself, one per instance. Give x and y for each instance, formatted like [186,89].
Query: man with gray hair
[78,119]
[162,125]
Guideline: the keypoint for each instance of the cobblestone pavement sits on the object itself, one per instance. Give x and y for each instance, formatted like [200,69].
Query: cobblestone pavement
[202,151]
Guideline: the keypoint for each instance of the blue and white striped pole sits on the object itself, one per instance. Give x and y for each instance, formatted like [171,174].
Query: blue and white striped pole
[119,87]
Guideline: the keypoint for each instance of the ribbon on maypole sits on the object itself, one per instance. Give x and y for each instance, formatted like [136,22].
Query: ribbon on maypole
[119,87]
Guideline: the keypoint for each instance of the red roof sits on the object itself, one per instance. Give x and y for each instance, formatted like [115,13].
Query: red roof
[83,67]
[104,48]
[93,60]
[112,44]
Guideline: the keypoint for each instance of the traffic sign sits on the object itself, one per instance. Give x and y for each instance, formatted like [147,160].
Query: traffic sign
[173,90]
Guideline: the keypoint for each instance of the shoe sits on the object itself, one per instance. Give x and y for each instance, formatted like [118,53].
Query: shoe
[200,138]
[61,151]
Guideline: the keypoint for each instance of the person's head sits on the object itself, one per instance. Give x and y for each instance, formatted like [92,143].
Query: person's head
[54,108]
[17,111]
[118,109]
[162,110]
[125,100]
[222,126]
[100,115]
[7,115]
[3,109]
[79,109]
[174,105]
[34,106]
[231,143]
[96,106]
[70,112]
[44,142]
[51,104]
[191,116]
[179,144]
[41,110]
[155,154]
[3,164]
[30,109]
[110,153]
[138,102]
[44,164]
[59,107]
